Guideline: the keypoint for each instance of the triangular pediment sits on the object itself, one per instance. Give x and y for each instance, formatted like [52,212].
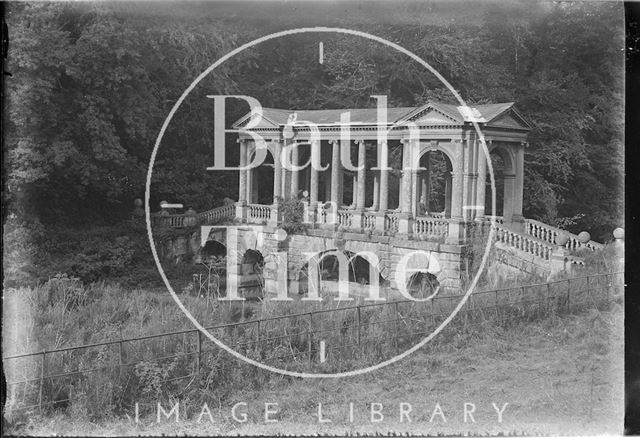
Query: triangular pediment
[433,117]
[430,114]
[509,119]
[253,118]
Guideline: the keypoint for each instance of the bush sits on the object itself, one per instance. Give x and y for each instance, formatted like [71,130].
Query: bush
[292,215]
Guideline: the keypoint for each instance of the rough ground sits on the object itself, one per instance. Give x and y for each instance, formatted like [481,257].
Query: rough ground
[563,376]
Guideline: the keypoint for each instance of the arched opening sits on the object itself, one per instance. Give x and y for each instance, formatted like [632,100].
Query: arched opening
[251,282]
[209,277]
[262,181]
[213,248]
[422,285]
[358,273]
[503,174]
[434,184]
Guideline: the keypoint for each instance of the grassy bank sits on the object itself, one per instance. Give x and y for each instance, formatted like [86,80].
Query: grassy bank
[560,375]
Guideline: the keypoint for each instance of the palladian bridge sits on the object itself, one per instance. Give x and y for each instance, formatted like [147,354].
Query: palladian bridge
[417,181]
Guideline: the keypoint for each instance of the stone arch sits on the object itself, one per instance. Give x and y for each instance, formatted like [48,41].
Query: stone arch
[503,162]
[506,154]
[213,248]
[251,272]
[434,188]
[359,268]
[261,178]
[423,285]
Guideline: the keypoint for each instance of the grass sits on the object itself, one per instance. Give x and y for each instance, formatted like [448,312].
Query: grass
[63,312]
[560,375]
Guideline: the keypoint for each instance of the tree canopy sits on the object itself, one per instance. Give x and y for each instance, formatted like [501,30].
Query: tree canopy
[92,84]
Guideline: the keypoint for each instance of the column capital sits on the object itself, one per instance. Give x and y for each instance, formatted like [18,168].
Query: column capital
[334,142]
[359,142]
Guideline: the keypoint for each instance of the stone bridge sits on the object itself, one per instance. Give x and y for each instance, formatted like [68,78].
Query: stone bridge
[393,259]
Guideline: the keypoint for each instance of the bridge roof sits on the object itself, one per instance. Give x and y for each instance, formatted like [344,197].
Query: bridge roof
[439,113]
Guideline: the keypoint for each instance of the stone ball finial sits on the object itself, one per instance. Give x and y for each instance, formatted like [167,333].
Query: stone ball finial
[562,239]
[584,237]
[190,212]
[137,202]
[163,203]
[618,233]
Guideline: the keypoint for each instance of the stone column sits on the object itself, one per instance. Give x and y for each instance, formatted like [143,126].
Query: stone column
[414,192]
[242,190]
[341,188]
[376,191]
[481,182]
[519,188]
[241,206]
[447,195]
[285,182]
[354,190]
[362,154]
[250,186]
[295,174]
[277,171]
[384,176]
[335,171]
[456,184]
[315,164]
[406,177]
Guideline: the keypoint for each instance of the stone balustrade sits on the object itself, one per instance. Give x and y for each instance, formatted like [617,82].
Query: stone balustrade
[184,220]
[258,213]
[369,221]
[345,218]
[550,234]
[523,242]
[431,227]
[216,214]
[391,223]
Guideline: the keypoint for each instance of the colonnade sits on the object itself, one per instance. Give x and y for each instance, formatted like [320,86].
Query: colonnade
[465,189]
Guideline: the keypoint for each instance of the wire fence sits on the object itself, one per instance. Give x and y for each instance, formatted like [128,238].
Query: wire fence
[330,340]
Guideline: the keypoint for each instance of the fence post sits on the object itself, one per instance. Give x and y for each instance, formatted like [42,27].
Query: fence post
[568,295]
[120,361]
[358,322]
[309,336]
[199,347]
[42,367]
[433,317]
[395,326]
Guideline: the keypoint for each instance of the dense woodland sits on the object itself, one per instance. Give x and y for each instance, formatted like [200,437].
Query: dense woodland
[91,84]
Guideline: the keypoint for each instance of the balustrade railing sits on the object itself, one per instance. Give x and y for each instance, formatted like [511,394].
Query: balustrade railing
[259,212]
[391,223]
[550,234]
[431,227]
[524,242]
[345,218]
[215,214]
[369,221]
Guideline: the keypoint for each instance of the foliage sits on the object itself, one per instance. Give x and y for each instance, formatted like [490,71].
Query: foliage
[292,214]
[92,83]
